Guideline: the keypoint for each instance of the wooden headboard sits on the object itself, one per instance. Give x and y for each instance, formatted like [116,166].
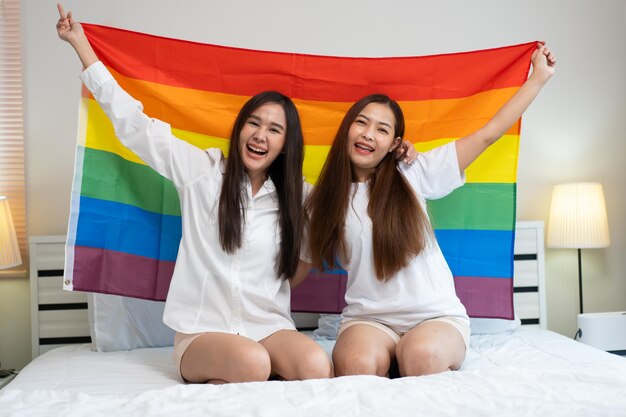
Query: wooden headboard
[60,317]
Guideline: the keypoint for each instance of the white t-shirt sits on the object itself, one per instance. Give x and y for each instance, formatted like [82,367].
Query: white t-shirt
[211,290]
[422,290]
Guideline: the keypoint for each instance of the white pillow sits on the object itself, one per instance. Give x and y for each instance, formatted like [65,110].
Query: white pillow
[123,323]
[327,327]
[494,326]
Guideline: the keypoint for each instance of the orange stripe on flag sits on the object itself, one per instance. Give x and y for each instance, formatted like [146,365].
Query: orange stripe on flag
[213,114]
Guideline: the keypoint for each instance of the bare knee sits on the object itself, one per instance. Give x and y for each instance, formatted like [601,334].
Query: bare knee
[421,359]
[360,363]
[316,364]
[252,365]
[222,357]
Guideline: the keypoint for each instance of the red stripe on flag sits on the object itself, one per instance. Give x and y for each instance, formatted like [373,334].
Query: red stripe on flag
[307,77]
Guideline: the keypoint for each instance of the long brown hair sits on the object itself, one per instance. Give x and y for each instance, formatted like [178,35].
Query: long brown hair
[400,225]
[285,172]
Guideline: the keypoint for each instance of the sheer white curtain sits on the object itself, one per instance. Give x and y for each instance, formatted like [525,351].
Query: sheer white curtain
[12,180]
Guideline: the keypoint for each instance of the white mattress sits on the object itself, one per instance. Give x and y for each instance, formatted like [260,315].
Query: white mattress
[527,372]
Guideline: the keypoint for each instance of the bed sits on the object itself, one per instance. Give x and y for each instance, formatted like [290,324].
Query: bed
[513,368]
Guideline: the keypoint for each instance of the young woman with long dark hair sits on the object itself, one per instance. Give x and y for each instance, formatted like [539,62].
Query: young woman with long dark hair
[368,215]
[242,225]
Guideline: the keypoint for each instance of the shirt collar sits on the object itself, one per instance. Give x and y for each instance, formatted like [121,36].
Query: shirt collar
[268,187]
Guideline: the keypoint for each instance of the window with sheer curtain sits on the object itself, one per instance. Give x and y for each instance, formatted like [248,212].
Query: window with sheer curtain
[12,181]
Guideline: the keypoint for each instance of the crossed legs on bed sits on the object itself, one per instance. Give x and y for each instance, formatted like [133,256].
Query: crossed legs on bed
[221,358]
[428,348]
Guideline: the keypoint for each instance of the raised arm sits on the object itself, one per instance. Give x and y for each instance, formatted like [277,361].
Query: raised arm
[470,147]
[151,139]
[72,33]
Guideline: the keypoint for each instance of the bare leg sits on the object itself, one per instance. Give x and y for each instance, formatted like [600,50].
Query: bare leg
[430,348]
[296,357]
[363,350]
[222,357]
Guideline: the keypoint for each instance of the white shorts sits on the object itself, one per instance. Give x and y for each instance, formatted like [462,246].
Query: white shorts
[181,344]
[460,325]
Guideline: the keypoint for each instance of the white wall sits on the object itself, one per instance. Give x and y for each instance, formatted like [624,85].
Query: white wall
[572,132]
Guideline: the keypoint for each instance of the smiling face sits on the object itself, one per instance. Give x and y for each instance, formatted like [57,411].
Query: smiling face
[262,138]
[372,135]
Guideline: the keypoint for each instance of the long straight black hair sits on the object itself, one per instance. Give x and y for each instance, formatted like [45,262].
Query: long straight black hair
[285,172]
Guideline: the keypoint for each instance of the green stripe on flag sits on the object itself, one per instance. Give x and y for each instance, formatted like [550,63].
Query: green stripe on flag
[107,176]
[476,206]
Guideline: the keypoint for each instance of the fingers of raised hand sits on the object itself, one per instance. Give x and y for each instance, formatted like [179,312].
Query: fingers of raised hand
[550,58]
[545,51]
[409,152]
[63,24]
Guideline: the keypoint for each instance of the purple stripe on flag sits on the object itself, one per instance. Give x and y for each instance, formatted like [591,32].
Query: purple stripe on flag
[486,297]
[320,293]
[110,272]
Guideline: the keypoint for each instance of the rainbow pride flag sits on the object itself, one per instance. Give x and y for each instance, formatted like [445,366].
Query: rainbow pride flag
[125,223]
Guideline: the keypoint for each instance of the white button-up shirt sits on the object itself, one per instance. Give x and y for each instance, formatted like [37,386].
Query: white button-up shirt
[211,290]
[422,290]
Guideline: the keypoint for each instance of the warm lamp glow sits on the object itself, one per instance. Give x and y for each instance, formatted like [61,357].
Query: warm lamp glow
[578,217]
[578,221]
[9,249]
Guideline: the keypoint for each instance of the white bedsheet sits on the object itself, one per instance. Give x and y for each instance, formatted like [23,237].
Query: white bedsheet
[528,372]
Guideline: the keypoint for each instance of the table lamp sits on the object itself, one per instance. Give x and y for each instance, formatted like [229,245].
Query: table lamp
[578,221]
[9,248]
[9,251]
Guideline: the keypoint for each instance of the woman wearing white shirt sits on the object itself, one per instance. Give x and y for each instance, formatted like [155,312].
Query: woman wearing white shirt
[242,225]
[368,214]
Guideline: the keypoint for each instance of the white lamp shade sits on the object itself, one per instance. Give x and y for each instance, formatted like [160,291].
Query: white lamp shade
[578,217]
[9,248]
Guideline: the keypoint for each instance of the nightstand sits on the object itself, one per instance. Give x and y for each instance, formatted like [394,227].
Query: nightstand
[606,331]
[5,381]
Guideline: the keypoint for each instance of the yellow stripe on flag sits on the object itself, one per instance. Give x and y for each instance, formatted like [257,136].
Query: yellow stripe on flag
[497,164]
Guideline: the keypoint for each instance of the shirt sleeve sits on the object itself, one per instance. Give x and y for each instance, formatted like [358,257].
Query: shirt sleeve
[434,174]
[149,138]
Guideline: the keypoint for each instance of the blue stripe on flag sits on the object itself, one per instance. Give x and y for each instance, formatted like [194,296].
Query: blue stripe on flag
[125,228]
[478,253]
